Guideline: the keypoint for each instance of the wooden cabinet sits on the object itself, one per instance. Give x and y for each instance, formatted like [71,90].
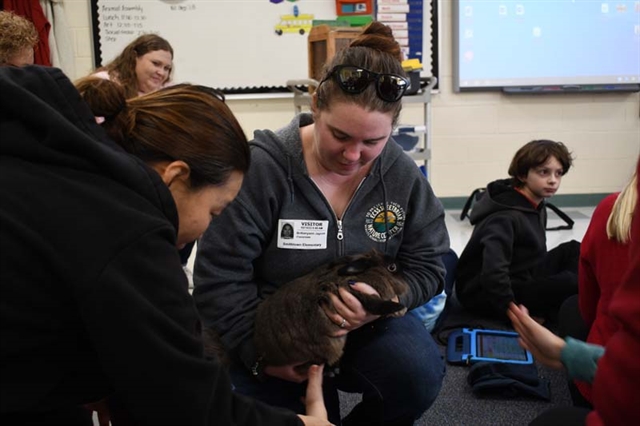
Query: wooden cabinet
[323,43]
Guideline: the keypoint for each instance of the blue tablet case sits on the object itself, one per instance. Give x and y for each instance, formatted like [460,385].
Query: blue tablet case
[468,346]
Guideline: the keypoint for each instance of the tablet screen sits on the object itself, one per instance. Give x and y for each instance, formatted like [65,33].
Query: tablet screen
[499,347]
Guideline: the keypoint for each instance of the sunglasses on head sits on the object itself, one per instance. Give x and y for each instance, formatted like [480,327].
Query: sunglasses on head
[354,80]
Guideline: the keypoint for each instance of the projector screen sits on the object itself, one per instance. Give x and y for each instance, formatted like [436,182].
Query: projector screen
[525,46]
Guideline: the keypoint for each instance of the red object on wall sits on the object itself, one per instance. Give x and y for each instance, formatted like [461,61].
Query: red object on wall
[354,7]
[32,10]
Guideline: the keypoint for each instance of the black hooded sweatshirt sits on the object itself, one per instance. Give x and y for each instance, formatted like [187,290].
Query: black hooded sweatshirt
[93,298]
[508,243]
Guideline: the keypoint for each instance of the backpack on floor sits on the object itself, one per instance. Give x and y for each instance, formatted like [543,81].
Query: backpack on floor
[478,193]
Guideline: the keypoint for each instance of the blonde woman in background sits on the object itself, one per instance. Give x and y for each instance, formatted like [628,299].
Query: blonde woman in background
[18,38]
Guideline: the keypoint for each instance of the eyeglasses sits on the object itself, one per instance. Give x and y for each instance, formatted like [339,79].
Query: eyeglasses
[354,80]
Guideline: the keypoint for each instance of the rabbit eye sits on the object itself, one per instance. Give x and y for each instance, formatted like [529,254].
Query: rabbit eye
[392,267]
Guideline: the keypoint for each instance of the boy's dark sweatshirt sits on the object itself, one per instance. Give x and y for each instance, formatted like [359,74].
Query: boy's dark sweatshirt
[508,243]
[94,302]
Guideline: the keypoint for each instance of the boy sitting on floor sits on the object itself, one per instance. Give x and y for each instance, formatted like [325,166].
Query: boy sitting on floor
[506,258]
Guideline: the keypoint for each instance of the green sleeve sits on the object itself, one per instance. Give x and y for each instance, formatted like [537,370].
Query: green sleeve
[581,359]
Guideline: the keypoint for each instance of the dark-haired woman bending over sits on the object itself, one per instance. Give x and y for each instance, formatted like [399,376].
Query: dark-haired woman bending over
[94,301]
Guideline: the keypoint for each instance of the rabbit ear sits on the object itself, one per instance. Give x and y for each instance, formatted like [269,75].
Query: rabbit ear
[376,305]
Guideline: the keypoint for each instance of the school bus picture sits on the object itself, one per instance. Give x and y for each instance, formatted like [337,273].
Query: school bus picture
[294,24]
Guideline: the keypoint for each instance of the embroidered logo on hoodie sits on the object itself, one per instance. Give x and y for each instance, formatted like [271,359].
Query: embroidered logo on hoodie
[379,229]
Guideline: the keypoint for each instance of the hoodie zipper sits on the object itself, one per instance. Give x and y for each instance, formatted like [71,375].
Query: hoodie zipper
[340,222]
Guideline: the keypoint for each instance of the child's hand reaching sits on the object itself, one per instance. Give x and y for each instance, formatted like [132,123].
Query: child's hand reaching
[314,401]
[545,346]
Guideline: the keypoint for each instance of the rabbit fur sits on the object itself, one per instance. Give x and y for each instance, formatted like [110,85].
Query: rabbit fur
[292,328]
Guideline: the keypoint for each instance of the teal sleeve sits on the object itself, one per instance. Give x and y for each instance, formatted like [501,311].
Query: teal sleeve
[581,359]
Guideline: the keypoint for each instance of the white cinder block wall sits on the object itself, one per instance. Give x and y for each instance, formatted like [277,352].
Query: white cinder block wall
[474,135]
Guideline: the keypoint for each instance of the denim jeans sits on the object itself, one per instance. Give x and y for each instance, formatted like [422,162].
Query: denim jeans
[394,363]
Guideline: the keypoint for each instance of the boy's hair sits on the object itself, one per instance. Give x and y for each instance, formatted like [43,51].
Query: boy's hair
[535,154]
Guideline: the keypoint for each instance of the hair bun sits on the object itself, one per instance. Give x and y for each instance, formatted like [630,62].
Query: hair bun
[379,36]
[105,98]
[378,28]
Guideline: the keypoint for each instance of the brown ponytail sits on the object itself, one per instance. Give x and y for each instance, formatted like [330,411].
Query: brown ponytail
[184,122]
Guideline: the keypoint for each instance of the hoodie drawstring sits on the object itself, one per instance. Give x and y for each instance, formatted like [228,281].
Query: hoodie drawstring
[384,208]
[290,179]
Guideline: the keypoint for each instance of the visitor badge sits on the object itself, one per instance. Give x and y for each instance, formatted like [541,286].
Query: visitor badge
[302,234]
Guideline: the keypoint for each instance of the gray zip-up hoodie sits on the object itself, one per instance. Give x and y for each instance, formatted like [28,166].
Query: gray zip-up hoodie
[239,262]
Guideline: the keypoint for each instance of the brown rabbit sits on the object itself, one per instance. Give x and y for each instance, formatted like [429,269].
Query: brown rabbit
[291,326]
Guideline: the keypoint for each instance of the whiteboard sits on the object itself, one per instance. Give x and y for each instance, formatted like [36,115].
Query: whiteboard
[219,43]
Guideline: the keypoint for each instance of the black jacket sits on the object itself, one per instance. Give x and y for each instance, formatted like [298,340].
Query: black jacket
[507,244]
[93,299]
